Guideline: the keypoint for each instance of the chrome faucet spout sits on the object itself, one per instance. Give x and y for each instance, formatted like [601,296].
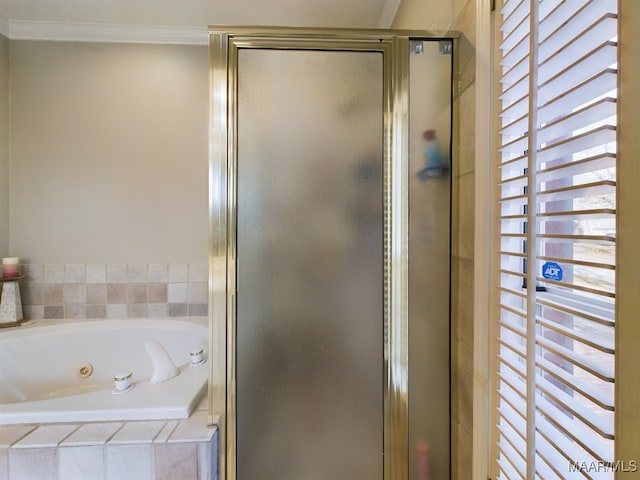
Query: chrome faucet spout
[163,368]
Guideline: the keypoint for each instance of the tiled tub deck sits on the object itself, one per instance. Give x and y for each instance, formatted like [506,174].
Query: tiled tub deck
[133,450]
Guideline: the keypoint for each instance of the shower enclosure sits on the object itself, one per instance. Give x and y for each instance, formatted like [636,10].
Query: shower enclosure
[330,230]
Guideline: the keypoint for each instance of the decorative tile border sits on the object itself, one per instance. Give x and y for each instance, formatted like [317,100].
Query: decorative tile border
[57,291]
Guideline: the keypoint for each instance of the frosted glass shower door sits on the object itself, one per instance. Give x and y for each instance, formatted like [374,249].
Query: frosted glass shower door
[310,322]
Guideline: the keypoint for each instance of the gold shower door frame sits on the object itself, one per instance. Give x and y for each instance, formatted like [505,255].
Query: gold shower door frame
[225,43]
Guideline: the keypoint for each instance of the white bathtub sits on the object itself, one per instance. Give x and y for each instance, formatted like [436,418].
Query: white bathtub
[41,379]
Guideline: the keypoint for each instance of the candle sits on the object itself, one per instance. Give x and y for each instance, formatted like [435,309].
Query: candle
[10,267]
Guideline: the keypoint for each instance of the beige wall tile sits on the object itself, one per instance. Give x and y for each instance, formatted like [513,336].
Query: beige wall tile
[92,434]
[137,273]
[176,460]
[75,294]
[193,429]
[158,272]
[138,432]
[53,294]
[32,463]
[129,462]
[4,464]
[96,273]
[74,273]
[198,272]
[81,463]
[178,272]
[10,434]
[54,274]
[49,435]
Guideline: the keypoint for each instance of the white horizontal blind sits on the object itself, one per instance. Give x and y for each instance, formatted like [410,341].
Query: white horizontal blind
[557,231]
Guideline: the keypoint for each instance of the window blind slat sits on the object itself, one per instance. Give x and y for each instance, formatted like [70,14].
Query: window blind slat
[599,343]
[570,168]
[514,399]
[578,119]
[507,469]
[514,419]
[515,35]
[510,325]
[515,353]
[571,192]
[512,456]
[511,435]
[515,182]
[508,291]
[517,163]
[578,143]
[559,16]
[555,461]
[588,390]
[572,261]
[516,109]
[600,312]
[580,434]
[516,53]
[513,74]
[585,363]
[515,393]
[567,405]
[591,64]
[508,6]
[516,90]
[602,30]
[516,127]
[516,146]
[566,100]
[544,471]
[512,16]
[576,18]
[578,287]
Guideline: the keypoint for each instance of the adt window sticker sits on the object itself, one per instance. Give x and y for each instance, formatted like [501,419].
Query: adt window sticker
[552,271]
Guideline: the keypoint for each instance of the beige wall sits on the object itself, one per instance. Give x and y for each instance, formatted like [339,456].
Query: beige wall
[109,153]
[4,145]
[458,15]
[424,14]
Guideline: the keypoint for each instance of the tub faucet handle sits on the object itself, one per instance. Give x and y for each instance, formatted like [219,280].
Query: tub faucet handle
[163,368]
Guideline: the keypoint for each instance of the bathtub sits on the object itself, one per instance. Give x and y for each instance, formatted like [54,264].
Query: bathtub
[64,371]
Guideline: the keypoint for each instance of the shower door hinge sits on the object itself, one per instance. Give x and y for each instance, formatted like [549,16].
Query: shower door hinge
[416,47]
[445,47]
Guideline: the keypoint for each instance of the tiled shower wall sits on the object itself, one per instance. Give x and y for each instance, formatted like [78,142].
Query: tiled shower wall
[56,291]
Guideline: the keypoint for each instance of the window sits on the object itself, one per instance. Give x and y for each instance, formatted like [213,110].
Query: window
[556,172]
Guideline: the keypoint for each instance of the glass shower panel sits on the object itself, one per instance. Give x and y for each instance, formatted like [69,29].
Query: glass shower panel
[429,255]
[310,265]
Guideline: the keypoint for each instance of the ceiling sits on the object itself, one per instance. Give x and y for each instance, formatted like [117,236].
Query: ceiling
[200,13]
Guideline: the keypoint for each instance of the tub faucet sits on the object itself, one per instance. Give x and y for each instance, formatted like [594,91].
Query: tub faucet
[163,367]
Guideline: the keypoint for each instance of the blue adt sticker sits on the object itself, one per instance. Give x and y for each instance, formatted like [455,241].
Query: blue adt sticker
[552,271]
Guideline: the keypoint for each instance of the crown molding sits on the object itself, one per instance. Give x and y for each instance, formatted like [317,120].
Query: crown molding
[4,26]
[105,33]
[388,13]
